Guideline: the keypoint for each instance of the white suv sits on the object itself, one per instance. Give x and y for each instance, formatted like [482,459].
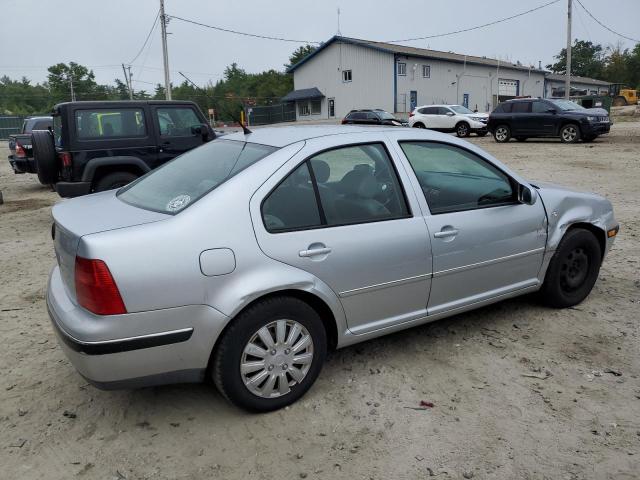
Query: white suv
[449,118]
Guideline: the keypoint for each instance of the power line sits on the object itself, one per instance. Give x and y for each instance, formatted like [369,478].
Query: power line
[146,39]
[604,26]
[495,22]
[255,35]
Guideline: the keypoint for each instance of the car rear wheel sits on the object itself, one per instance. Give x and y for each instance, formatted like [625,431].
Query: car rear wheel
[419,125]
[270,355]
[570,133]
[114,180]
[462,129]
[573,269]
[44,155]
[502,133]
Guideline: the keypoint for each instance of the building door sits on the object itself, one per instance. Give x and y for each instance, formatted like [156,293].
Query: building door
[465,100]
[332,107]
[413,100]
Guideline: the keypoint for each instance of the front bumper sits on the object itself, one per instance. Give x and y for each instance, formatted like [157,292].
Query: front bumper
[136,349]
[595,128]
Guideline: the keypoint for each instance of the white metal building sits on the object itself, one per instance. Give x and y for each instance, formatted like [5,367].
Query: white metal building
[554,86]
[347,73]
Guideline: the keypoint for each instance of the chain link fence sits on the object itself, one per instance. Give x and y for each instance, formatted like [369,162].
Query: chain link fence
[10,125]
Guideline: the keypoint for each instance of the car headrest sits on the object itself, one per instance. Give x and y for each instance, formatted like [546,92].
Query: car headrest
[321,170]
[359,183]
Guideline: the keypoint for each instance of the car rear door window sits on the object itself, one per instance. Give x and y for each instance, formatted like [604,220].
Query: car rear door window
[358,184]
[521,107]
[292,205]
[454,179]
[177,121]
[110,123]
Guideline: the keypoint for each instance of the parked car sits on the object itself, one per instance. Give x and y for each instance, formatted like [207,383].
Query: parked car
[20,151]
[537,117]
[449,118]
[244,260]
[371,117]
[97,146]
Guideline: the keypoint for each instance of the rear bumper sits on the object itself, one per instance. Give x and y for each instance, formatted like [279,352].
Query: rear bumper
[136,349]
[73,189]
[22,165]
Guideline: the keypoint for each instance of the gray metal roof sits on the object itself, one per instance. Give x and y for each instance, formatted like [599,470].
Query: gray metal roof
[417,52]
[575,79]
[303,94]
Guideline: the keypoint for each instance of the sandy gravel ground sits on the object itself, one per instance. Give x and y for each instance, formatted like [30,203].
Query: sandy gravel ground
[519,391]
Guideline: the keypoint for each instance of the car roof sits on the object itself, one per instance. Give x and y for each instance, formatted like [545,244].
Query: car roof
[121,103]
[282,136]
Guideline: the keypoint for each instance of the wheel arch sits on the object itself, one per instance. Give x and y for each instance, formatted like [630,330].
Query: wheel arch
[98,167]
[419,125]
[598,232]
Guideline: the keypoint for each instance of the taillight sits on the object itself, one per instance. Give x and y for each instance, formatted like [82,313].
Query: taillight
[96,289]
[20,151]
[65,158]
[344,121]
[411,114]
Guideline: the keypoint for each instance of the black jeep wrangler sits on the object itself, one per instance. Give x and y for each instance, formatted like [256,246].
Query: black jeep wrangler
[97,146]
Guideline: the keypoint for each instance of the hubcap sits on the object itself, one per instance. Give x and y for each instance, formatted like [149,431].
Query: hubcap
[277,357]
[574,269]
[501,133]
[569,134]
[462,130]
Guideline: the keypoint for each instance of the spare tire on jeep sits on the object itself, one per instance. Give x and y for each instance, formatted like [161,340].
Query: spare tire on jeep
[45,157]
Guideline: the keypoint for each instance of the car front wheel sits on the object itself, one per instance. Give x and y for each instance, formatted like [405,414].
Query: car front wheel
[502,134]
[570,133]
[270,355]
[462,129]
[573,270]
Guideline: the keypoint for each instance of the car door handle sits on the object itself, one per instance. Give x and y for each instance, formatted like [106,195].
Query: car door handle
[314,252]
[446,233]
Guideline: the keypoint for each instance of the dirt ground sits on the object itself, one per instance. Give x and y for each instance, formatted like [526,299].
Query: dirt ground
[519,391]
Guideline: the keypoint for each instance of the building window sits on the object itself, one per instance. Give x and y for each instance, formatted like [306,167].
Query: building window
[316,107]
[346,75]
[402,69]
[426,71]
[303,108]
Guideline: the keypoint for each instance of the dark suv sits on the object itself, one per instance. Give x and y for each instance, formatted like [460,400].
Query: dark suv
[536,117]
[374,116]
[97,146]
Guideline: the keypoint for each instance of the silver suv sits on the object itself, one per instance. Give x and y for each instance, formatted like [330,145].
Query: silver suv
[244,260]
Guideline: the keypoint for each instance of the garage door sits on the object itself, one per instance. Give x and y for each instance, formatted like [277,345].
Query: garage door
[507,88]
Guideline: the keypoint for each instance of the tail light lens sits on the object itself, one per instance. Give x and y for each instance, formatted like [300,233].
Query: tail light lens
[20,153]
[344,121]
[411,114]
[65,158]
[96,290]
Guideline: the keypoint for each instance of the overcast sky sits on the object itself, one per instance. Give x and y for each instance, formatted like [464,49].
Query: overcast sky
[103,34]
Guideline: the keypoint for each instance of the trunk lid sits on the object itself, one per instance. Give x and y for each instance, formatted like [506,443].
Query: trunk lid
[82,216]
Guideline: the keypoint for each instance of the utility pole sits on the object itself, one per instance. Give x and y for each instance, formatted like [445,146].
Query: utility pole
[73,93]
[130,83]
[127,79]
[165,53]
[567,80]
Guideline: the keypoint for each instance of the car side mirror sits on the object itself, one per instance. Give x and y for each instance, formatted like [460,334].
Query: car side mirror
[450,114]
[526,195]
[200,130]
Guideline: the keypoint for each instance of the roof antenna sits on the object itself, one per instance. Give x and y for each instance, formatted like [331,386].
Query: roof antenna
[339,33]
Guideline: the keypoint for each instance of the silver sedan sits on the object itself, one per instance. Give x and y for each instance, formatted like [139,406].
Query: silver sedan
[243,261]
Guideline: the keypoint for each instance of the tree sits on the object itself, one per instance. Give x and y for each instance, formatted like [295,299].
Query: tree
[61,77]
[299,53]
[587,60]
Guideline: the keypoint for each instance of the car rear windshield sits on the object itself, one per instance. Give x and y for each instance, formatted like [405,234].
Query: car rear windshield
[187,178]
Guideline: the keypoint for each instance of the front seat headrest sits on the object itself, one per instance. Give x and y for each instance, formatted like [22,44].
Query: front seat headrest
[359,183]
[321,170]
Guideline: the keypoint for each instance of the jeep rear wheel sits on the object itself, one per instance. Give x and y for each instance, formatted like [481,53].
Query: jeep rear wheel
[44,155]
[114,180]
